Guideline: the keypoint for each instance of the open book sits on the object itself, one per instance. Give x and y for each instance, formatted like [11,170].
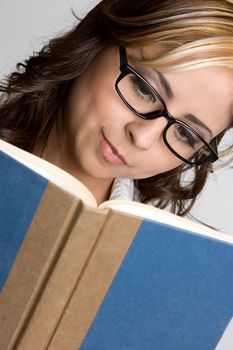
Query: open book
[122,275]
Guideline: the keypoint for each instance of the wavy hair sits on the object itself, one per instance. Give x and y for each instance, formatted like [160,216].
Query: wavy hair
[193,33]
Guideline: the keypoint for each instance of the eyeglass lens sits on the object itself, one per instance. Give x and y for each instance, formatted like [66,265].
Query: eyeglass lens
[143,100]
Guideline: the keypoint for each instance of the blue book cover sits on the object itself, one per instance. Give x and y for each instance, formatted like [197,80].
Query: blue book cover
[173,291]
[21,190]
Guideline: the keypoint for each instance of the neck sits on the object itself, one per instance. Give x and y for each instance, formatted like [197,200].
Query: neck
[100,189]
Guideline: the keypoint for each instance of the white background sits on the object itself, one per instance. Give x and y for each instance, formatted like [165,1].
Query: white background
[25,25]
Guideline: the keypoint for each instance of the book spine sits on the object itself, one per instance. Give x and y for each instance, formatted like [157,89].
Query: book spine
[103,263]
[66,273]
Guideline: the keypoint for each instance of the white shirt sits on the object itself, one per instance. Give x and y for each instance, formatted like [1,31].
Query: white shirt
[123,188]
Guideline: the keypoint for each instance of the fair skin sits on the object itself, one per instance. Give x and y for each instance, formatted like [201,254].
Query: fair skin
[98,121]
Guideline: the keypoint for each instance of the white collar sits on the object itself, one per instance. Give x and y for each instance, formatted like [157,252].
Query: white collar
[123,188]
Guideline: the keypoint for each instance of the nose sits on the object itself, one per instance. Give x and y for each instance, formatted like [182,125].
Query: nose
[144,134]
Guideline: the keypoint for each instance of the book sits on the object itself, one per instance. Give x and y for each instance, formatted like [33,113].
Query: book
[121,275]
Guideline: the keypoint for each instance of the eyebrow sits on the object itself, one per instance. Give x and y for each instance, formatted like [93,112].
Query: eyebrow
[165,84]
[197,121]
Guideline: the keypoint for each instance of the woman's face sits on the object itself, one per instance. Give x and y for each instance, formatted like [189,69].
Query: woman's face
[107,140]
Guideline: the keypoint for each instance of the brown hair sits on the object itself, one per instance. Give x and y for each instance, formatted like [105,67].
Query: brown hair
[34,95]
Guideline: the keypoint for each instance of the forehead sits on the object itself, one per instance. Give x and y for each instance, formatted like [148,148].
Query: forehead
[146,53]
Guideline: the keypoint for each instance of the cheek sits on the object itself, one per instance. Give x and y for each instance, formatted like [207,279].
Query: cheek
[157,163]
[78,109]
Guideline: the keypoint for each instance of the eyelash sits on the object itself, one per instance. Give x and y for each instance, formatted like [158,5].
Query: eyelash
[189,139]
[138,86]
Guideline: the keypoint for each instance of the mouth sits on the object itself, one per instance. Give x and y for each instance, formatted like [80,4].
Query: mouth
[110,153]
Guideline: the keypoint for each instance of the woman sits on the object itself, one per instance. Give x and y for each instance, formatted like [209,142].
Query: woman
[140,92]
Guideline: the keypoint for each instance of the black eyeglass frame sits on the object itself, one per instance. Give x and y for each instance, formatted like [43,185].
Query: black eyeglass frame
[126,69]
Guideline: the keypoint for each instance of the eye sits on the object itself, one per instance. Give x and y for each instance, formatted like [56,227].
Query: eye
[186,136]
[142,90]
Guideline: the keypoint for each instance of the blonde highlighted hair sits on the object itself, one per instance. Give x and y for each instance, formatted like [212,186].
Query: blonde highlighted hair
[194,34]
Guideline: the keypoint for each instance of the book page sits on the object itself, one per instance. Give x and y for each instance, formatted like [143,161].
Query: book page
[159,215]
[51,172]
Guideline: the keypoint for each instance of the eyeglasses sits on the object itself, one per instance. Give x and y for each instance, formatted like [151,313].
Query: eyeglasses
[143,100]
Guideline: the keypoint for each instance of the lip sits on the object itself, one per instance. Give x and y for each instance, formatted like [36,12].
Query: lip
[110,153]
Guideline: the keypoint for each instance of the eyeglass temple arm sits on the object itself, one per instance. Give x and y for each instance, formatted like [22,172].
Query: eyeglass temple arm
[123,57]
[214,145]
